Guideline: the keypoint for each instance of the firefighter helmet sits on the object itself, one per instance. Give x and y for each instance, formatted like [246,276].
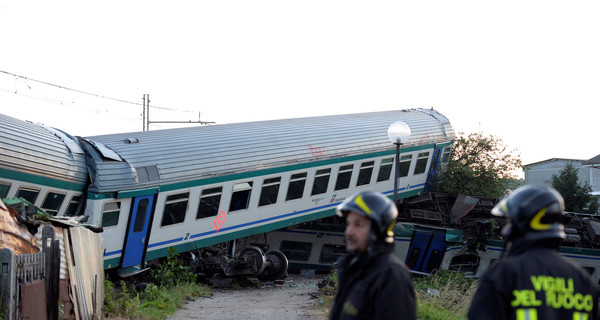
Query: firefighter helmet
[376,207]
[534,212]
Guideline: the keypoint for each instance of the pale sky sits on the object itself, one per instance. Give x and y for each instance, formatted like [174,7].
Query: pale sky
[525,71]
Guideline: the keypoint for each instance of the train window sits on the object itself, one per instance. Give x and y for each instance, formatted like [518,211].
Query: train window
[4,187]
[434,258]
[28,194]
[240,196]
[296,186]
[110,214]
[321,182]
[365,173]
[413,258]
[343,178]
[140,216]
[434,161]
[175,209]
[52,202]
[269,192]
[404,165]
[467,263]
[446,155]
[209,202]
[421,162]
[385,169]
[73,206]
[331,252]
[295,250]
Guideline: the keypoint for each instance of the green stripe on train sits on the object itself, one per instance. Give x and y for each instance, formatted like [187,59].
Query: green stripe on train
[193,245]
[247,175]
[46,181]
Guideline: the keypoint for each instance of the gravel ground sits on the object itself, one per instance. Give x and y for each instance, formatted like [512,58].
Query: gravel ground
[296,298]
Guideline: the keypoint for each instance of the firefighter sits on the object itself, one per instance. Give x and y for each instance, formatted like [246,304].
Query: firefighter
[534,281]
[372,282]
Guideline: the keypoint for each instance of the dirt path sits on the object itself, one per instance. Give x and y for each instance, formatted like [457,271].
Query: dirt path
[295,299]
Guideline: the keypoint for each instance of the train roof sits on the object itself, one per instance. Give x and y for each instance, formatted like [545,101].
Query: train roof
[138,160]
[40,154]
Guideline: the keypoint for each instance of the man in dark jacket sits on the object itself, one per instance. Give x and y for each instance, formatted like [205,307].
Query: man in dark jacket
[372,282]
[534,282]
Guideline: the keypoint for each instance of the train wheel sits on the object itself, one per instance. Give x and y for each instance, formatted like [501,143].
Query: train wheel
[251,260]
[277,266]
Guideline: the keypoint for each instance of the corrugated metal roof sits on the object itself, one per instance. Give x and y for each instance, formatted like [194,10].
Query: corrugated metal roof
[154,158]
[46,152]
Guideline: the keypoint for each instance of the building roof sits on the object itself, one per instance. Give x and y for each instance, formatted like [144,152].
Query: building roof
[592,161]
[553,160]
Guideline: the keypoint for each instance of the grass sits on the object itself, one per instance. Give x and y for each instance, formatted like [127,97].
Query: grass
[124,302]
[171,285]
[444,295]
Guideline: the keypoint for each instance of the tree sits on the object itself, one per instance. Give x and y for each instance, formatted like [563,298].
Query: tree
[480,165]
[577,198]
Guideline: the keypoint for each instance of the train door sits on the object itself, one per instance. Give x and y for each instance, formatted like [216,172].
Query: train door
[137,231]
[426,250]
[433,168]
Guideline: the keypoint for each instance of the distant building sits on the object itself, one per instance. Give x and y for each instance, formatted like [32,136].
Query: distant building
[588,171]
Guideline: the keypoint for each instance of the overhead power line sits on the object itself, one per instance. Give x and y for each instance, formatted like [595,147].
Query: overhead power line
[88,93]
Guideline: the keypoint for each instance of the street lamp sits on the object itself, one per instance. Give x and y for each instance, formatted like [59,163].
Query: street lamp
[398,133]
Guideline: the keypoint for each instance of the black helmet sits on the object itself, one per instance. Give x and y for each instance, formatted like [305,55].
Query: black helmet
[378,208]
[535,213]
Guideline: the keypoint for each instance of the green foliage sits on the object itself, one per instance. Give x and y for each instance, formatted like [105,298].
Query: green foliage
[171,272]
[171,284]
[120,301]
[444,295]
[577,198]
[158,303]
[479,165]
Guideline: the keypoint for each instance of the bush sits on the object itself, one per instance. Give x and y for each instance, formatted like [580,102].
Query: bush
[170,284]
[171,272]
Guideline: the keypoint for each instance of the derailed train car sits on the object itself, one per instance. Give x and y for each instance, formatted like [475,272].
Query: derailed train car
[435,232]
[191,188]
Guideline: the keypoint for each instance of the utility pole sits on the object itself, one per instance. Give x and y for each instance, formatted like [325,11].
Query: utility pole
[146,116]
[146,113]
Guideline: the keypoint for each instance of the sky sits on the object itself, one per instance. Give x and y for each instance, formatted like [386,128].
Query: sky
[527,72]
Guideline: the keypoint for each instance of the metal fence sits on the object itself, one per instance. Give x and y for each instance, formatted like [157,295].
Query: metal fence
[21,269]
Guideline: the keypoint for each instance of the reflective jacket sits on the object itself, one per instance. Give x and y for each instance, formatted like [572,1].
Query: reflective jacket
[535,284]
[374,286]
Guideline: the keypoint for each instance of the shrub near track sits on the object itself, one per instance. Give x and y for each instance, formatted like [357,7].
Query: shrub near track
[170,285]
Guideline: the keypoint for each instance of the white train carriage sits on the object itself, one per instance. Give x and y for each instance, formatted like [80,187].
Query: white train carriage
[194,187]
[42,165]
[424,248]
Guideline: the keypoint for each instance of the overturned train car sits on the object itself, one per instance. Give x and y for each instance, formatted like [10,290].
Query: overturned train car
[434,232]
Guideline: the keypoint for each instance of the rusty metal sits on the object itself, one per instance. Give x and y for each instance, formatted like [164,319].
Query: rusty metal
[13,235]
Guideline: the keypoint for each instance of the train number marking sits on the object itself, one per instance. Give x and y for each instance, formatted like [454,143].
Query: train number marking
[220,220]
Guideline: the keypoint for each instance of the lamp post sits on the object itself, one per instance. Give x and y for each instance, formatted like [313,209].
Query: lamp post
[398,133]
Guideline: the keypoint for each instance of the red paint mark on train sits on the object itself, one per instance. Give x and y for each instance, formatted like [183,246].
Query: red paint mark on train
[220,220]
